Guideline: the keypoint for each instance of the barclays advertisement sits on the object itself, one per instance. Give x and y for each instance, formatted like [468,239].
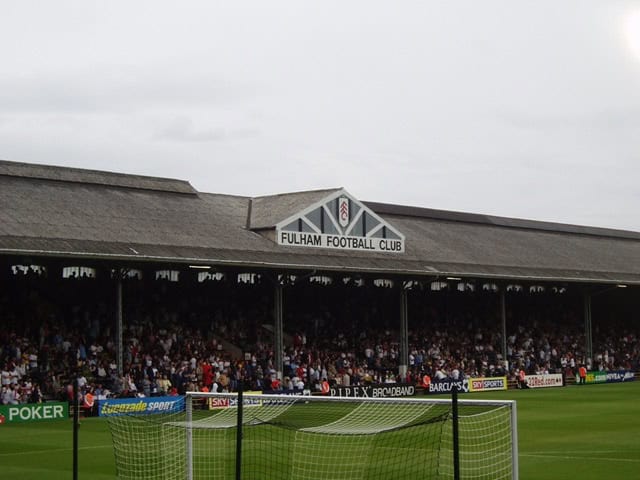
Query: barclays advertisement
[447,385]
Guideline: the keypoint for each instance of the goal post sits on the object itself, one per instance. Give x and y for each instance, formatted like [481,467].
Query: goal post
[258,436]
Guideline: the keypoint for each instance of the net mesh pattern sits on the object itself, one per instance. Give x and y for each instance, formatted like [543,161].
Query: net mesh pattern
[305,438]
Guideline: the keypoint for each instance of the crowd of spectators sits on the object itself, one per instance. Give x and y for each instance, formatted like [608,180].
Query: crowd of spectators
[215,336]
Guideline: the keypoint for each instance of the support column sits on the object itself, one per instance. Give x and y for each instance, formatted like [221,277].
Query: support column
[404,332]
[119,315]
[503,316]
[588,332]
[278,343]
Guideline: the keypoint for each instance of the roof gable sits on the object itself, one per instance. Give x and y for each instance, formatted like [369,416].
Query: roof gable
[267,211]
[339,221]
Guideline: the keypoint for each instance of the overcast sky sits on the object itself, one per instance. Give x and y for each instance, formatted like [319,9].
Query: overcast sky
[526,109]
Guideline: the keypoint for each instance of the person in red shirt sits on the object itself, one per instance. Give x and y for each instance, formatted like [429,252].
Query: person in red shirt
[582,373]
[88,403]
[522,379]
[275,384]
[207,374]
[325,387]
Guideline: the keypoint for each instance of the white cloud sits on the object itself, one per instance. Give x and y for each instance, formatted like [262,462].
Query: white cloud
[183,129]
[493,107]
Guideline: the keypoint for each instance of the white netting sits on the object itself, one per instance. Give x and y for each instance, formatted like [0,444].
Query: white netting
[354,433]
[484,453]
[387,417]
[305,438]
[146,449]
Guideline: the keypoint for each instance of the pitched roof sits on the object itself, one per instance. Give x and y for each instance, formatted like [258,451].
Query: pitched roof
[61,212]
[78,175]
[267,211]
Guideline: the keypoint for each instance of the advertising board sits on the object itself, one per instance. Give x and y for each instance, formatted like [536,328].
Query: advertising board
[544,380]
[33,412]
[446,385]
[140,406]
[374,391]
[486,384]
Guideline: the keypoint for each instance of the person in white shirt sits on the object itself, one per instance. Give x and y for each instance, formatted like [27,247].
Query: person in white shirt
[5,377]
[10,395]
[82,382]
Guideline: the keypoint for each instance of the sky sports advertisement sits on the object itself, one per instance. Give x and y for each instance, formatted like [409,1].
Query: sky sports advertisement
[139,406]
[487,384]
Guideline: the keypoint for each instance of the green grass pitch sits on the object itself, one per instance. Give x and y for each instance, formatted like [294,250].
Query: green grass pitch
[577,432]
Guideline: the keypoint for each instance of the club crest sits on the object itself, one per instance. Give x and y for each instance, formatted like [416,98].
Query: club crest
[343,211]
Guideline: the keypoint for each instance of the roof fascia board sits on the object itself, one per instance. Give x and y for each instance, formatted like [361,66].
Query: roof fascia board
[427,271]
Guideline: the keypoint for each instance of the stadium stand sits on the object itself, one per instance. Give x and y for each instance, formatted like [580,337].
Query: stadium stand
[208,335]
[100,280]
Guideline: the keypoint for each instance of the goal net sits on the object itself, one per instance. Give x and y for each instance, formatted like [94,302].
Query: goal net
[275,437]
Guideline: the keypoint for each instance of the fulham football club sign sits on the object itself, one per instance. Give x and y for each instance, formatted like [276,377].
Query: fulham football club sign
[339,222]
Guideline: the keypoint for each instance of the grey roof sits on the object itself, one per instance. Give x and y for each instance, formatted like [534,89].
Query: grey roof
[267,211]
[498,221]
[98,215]
[78,175]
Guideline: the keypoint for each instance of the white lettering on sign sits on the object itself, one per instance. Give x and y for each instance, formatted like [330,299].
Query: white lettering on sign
[36,412]
[322,240]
